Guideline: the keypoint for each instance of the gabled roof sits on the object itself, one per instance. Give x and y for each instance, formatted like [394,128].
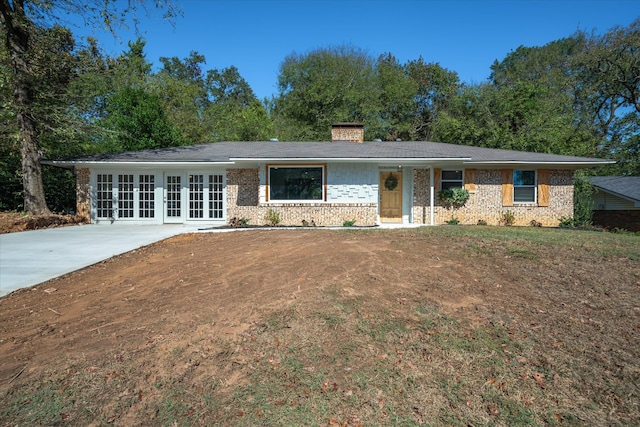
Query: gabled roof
[627,187]
[406,151]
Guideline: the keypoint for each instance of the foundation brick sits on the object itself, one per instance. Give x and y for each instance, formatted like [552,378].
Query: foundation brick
[83,198]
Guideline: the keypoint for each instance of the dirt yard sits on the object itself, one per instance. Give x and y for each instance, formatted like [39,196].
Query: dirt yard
[11,222]
[196,309]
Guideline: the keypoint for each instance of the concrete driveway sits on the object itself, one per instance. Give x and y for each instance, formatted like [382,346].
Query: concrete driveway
[33,257]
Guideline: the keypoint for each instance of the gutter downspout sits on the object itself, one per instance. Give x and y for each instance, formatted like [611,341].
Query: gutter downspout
[431,196]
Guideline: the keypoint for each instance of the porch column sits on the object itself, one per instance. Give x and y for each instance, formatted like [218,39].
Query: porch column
[431,195]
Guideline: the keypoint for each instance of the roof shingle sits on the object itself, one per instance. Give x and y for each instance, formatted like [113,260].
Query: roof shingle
[270,151]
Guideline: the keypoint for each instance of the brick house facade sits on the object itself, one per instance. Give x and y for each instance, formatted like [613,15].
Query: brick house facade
[327,183]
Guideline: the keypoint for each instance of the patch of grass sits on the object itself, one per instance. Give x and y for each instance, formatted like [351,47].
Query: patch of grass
[535,239]
[521,253]
[477,250]
[505,409]
[331,320]
[43,405]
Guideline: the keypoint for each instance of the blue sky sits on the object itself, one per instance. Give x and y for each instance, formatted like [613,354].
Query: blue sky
[464,36]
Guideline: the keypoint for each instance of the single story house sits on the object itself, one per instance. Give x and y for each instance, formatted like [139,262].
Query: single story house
[324,182]
[616,201]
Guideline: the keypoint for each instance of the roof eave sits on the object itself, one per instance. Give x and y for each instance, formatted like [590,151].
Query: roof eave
[348,159]
[128,163]
[576,164]
[635,202]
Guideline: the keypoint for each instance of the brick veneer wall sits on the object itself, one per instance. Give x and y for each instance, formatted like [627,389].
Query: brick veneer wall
[486,202]
[243,201]
[83,201]
[242,187]
[353,134]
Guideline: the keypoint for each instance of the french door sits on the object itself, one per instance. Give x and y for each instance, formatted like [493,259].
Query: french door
[173,199]
[125,196]
[193,197]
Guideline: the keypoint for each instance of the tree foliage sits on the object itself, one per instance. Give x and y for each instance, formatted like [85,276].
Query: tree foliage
[20,20]
[576,96]
[138,121]
[325,86]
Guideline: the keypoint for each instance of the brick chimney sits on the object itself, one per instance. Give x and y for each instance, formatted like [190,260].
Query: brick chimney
[352,132]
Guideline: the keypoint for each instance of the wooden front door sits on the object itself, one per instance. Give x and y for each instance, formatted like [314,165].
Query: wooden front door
[391,196]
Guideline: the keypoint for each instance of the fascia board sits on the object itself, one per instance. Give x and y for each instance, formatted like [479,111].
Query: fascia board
[348,159]
[543,163]
[146,164]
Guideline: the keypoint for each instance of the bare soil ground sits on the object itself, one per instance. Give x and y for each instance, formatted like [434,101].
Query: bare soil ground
[444,326]
[11,222]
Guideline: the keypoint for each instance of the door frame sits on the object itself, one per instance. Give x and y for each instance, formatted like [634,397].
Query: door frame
[383,176]
[166,219]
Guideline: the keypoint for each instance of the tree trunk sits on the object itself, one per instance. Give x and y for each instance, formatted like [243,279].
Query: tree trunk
[33,188]
[16,38]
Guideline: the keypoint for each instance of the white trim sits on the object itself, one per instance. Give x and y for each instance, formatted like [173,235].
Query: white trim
[140,163]
[431,196]
[533,202]
[535,162]
[347,159]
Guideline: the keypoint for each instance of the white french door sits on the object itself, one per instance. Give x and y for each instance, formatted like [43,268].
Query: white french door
[193,197]
[124,196]
[173,205]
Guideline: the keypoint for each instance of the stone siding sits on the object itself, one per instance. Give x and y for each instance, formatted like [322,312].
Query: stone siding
[350,133]
[243,187]
[83,198]
[485,202]
[243,201]
[322,214]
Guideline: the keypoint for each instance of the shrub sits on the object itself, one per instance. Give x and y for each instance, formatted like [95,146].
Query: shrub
[349,223]
[238,222]
[482,222]
[272,217]
[453,197]
[508,218]
[567,222]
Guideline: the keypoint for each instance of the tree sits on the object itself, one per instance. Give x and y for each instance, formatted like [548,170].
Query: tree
[17,18]
[139,121]
[322,87]
[180,84]
[234,112]
[609,94]
[53,65]
[395,100]
[436,87]
[528,105]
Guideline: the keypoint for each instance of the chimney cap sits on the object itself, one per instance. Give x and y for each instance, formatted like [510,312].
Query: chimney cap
[347,125]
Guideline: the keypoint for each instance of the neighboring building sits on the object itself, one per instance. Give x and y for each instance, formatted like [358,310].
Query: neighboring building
[324,182]
[616,202]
